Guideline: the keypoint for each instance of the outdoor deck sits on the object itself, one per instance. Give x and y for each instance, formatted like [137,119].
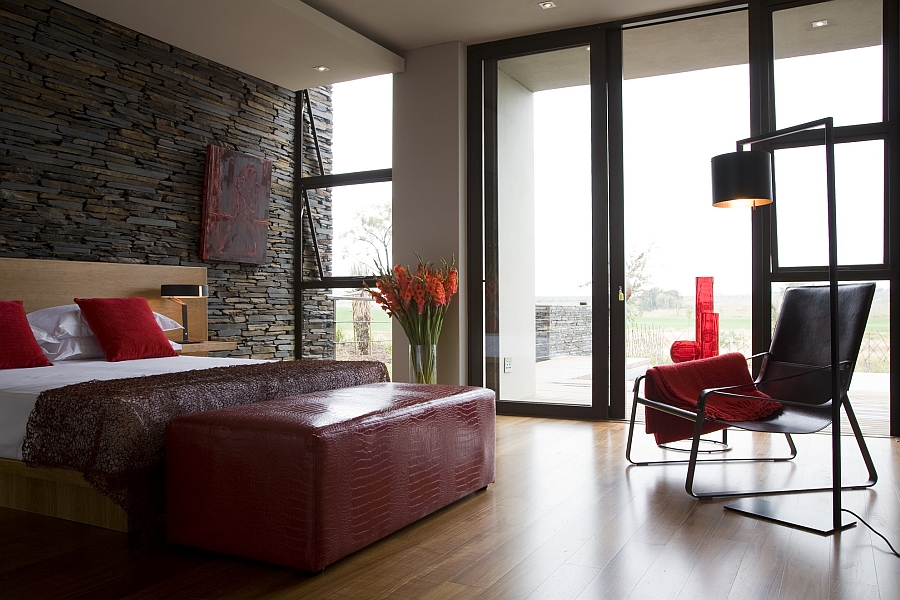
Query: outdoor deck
[567,380]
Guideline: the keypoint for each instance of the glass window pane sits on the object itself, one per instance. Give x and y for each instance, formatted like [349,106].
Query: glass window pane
[362,331]
[363,111]
[362,228]
[870,392]
[828,62]
[801,204]
[683,104]
[544,275]
[344,324]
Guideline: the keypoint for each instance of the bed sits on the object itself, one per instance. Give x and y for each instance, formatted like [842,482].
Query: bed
[34,401]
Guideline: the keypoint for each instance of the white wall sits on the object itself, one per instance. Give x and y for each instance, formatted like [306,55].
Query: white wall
[429,183]
[515,174]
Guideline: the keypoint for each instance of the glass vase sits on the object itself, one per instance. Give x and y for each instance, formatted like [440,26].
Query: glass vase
[423,363]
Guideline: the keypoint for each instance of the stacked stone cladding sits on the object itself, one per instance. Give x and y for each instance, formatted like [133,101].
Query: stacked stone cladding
[562,331]
[103,135]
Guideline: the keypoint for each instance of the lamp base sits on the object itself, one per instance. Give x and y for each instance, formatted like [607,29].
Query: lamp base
[808,520]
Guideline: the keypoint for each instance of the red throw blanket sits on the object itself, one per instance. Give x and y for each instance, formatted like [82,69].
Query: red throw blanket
[680,385]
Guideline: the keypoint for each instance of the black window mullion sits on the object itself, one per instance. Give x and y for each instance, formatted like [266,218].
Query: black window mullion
[616,224]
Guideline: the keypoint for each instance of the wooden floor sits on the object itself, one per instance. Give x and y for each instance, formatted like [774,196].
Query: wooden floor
[566,519]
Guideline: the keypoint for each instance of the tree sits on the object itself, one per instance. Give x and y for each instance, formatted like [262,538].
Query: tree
[636,279]
[370,242]
[371,237]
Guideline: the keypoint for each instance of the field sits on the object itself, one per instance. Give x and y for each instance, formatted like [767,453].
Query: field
[657,329]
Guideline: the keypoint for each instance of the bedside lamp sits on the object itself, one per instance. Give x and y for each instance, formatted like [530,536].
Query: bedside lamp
[176,293]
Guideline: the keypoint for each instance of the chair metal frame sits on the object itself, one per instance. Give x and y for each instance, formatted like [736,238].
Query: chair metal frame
[699,418]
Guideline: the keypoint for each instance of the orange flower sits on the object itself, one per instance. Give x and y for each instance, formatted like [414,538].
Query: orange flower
[429,289]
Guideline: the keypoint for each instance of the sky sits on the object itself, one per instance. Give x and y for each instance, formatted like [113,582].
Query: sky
[362,141]
[673,125]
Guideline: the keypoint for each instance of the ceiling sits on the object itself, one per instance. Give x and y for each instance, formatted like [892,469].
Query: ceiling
[407,24]
[282,40]
[713,41]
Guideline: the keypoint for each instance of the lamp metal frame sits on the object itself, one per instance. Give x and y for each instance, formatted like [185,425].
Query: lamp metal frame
[761,508]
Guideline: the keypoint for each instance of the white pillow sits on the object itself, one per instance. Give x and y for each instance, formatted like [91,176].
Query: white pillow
[61,322]
[78,348]
[42,336]
[72,348]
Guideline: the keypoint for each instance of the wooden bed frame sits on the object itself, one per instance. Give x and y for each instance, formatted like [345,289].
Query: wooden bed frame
[41,284]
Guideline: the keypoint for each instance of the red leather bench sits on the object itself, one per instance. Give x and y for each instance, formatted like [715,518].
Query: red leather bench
[306,480]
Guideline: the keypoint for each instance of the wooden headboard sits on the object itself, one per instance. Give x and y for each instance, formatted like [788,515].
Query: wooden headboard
[45,283]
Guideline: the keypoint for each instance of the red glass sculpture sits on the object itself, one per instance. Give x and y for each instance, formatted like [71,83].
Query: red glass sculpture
[703,303]
[709,334]
[706,328]
[684,350]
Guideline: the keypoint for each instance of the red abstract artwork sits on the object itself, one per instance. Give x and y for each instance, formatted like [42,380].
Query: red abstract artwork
[235,219]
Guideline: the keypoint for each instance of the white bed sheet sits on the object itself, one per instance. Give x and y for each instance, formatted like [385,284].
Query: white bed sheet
[19,388]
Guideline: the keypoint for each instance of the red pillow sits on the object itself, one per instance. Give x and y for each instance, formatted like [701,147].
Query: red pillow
[18,348]
[125,328]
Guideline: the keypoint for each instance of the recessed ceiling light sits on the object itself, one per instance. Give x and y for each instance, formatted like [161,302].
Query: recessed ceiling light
[321,68]
[821,23]
[546,5]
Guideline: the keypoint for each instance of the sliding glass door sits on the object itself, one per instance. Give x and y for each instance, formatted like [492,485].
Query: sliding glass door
[545,291]
[590,217]
[685,98]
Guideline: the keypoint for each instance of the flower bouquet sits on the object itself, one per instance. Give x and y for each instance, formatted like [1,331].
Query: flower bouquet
[419,302]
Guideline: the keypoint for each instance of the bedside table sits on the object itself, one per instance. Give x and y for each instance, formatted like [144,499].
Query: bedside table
[204,348]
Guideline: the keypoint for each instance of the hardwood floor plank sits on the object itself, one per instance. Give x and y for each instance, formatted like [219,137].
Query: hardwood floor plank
[621,574]
[541,565]
[568,517]
[761,571]
[566,583]
[806,572]
[717,566]
[670,570]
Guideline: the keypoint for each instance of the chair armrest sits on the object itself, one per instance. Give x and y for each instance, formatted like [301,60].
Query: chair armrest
[637,384]
[667,408]
[724,391]
[790,402]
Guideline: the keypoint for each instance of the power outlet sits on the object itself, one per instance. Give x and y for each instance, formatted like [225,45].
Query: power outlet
[507,365]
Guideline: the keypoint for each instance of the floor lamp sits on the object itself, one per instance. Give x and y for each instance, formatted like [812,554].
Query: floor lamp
[744,178]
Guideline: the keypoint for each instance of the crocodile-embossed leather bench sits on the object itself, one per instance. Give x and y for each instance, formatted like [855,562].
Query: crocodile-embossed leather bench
[306,480]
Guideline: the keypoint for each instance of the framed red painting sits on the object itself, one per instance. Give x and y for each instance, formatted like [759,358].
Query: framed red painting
[235,221]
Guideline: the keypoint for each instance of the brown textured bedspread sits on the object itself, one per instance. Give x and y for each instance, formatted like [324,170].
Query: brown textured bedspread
[114,431]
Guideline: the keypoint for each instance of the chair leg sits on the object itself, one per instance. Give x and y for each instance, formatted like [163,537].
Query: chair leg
[791,445]
[861,442]
[634,404]
[692,462]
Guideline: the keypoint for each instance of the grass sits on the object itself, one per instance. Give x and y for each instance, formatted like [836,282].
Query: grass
[877,323]
[381,323]
[662,319]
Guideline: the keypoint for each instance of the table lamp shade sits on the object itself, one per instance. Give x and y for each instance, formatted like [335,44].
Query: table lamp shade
[176,293]
[184,291]
[742,179]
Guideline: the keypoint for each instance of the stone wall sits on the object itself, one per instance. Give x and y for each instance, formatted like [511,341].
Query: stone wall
[562,331]
[103,135]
